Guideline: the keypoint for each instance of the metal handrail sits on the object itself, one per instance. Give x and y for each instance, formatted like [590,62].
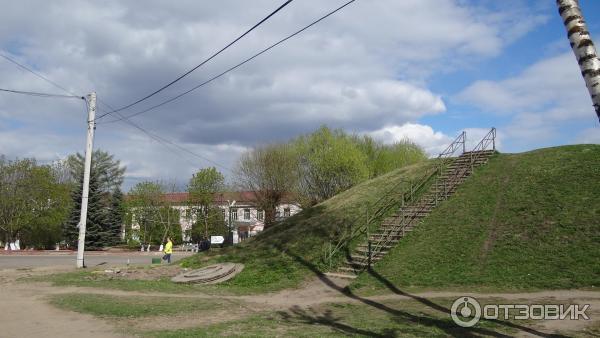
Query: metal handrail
[490,137]
[452,147]
[386,238]
[407,196]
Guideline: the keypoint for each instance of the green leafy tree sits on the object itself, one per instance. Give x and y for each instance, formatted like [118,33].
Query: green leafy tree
[202,188]
[32,202]
[149,216]
[329,162]
[270,172]
[382,158]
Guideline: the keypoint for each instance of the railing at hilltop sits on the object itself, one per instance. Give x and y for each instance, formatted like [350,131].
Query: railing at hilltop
[404,222]
[389,200]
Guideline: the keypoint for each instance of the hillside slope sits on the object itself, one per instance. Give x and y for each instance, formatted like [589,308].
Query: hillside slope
[528,220]
[283,256]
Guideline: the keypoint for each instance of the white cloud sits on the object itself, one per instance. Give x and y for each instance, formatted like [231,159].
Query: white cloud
[364,68]
[554,82]
[542,103]
[433,142]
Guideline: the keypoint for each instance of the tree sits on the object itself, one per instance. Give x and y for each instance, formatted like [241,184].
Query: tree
[382,158]
[270,172]
[150,217]
[203,187]
[583,47]
[44,231]
[30,200]
[329,162]
[108,170]
[96,231]
[107,176]
[115,218]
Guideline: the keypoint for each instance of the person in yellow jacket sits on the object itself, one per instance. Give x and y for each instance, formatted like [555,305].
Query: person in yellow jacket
[168,250]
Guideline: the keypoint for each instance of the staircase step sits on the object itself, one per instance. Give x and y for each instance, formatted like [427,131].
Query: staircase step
[357,264]
[345,269]
[392,238]
[417,209]
[393,228]
[340,275]
[364,255]
[365,252]
[392,231]
[364,246]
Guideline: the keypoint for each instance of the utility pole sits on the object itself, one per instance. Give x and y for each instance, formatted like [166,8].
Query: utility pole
[89,147]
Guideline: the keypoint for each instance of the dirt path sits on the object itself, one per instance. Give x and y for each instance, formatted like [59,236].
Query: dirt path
[25,313]
[27,300]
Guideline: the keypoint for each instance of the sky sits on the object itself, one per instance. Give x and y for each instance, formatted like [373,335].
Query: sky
[419,69]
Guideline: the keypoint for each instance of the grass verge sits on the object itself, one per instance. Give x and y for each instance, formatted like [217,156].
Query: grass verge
[388,319]
[134,307]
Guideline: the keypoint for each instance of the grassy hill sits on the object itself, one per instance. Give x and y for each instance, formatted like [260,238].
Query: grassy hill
[291,251]
[528,220]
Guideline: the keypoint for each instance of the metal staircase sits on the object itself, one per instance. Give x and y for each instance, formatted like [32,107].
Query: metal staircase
[450,173]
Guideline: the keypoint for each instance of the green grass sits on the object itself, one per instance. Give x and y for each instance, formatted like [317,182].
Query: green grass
[133,307]
[371,318]
[389,319]
[280,257]
[524,221]
[90,279]
[284,255]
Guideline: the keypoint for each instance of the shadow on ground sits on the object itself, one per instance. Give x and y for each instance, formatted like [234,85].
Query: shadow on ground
[326,318]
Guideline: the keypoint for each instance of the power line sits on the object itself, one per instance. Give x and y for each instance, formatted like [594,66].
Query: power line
[36,74]
[165,141]
[131,123]
[202,63]
[236,66]
[37,94]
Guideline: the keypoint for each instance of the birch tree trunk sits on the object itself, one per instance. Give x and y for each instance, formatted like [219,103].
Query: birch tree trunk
[583,47]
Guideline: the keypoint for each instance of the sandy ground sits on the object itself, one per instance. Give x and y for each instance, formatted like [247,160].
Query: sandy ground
[26,313]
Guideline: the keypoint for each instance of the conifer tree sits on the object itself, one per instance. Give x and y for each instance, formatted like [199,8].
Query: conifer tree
[95,234]
[115,218]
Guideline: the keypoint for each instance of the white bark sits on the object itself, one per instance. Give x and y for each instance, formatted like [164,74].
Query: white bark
[583,47]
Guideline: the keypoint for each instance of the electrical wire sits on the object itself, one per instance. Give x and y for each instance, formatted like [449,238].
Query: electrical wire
[165,141]
[37,94]
[36,74]
[202,63]
[130,123]
[236,66]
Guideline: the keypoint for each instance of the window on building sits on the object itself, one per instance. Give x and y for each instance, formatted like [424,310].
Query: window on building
[223,212]
[286,212]
[234,214]
[246,214]
[260,215]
